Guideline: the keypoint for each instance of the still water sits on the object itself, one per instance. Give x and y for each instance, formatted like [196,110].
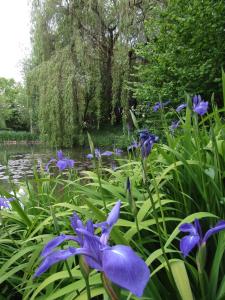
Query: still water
[18,160]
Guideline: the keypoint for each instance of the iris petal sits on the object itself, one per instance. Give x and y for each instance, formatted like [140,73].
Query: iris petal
[70,163]
[107,153]
[3,202]
[201,108]
[114,214]
[61,164]
[76,223]
[97,153]
[55,257]
[49,247]
[197,99]
[174,125]
[93,245]
[187,243]
[188,227]
[217,228]
[180,107]
[133,146]
[118,152]
[48,164]
[60,155]
[147,147]
[111,220]
[198,229]
[147,141]
[125,268]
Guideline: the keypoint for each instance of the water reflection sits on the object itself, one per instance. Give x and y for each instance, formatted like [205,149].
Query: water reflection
[18,161]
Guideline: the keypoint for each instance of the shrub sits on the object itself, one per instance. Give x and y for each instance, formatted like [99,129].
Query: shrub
[185,50]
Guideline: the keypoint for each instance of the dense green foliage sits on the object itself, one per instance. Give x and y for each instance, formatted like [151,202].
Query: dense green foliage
[110,136]
[182,179]
[82,56]
[84,53]
[14,113]
[185,51]
[7,135]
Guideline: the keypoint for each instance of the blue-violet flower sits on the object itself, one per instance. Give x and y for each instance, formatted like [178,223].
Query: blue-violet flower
[119,263]
[195,236]
[174,125]
[4,202]
[200,106]
[160,105]
[147,140]
[61,162]
[134,145]
[181,106]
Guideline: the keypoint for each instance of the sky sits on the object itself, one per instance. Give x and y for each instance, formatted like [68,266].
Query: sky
[14,37]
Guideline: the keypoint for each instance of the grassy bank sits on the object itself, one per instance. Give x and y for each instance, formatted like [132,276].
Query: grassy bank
[112,136]
[17,136]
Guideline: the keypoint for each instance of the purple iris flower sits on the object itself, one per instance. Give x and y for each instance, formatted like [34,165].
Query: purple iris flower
[174,125]
[4,202]
[62,162]
[118,152]
[200,106]
[119,263]
[157,106]
[133,146]
[97,154]
[147,140]
[107,153]
[160,105]
[195,236]
[181,106]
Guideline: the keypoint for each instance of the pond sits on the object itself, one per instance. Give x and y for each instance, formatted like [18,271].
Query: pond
[18,160]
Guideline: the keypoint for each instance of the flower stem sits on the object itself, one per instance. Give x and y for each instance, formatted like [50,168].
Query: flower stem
[202,286]
[109,288]
[87,288]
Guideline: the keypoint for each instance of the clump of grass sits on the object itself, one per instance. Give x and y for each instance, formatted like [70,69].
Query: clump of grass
[6,135]
[112,136]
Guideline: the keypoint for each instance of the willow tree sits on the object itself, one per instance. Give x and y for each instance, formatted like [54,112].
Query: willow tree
[82,57]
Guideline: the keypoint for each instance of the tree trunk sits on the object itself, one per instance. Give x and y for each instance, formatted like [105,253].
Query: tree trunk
[107,77]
